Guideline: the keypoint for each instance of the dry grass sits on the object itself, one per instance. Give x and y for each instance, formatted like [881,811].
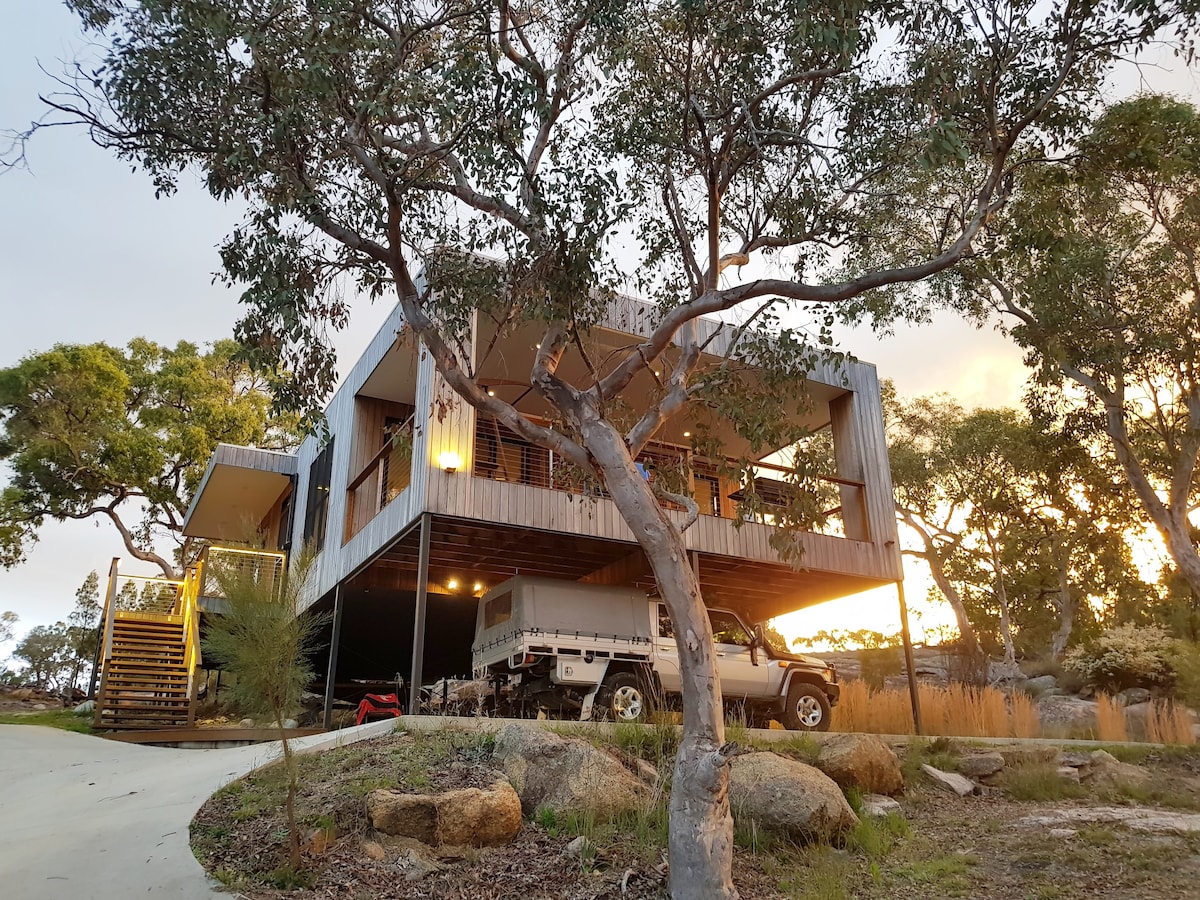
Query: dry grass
[1024,716]
[1167,723]
[956,711]
[1110,719]
[965,711]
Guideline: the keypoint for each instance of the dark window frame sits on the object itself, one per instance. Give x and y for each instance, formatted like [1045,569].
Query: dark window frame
[316,509]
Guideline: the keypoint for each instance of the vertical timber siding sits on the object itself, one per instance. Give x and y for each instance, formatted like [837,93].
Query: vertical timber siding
[445,423]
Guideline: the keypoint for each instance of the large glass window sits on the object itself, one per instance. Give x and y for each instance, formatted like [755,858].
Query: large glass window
[317,509]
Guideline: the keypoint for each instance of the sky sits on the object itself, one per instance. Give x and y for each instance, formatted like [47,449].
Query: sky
[88,254]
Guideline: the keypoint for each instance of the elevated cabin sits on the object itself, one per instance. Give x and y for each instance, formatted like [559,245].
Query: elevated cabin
[416,505]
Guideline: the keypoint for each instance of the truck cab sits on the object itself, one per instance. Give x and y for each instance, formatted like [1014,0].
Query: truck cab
[755,672]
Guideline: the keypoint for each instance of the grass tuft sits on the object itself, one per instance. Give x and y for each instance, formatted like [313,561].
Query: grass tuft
[1039,782]
[63,719]
[1110,719]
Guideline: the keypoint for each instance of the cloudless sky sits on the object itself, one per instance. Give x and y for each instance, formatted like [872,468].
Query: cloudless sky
[88,254]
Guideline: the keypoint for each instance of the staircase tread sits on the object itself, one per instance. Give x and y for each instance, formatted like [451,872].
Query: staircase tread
[112,707]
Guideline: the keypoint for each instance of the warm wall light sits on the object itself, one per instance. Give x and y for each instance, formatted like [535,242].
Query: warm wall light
[450,461]
[452,584]
[687,434]
[477,588]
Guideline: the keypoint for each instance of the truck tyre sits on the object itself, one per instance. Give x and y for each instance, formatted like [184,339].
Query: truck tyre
[806,708]
[623,698]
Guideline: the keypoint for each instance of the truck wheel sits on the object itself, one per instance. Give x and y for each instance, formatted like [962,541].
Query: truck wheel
[806,708]
[622,698]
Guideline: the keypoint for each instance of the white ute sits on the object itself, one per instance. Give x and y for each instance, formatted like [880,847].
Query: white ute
[566,646]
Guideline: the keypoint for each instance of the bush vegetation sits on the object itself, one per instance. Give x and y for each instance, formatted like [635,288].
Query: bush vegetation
[1125,656]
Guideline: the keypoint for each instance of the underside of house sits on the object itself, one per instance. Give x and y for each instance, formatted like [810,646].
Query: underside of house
[416,505]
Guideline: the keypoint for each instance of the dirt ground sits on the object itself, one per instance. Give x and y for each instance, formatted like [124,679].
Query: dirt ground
[27,701]
[943,846]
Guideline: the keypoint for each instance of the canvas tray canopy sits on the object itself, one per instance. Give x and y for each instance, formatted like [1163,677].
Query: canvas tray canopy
[525,606]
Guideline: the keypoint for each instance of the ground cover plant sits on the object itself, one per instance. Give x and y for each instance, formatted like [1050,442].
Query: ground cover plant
[941,846]
[65,719]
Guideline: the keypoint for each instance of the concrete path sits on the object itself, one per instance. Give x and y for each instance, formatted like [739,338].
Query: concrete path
[82,817]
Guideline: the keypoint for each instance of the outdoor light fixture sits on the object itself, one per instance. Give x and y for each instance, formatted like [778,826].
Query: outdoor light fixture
[490,391]
[687,434]
[449,461]
[452,584]
[477,588]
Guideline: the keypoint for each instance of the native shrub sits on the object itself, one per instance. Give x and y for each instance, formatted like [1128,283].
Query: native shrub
[1123,657]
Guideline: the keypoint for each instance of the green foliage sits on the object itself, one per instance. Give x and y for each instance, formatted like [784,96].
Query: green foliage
[1094,271]
[99,431]
[1125,656]
[656,743]
[1184,659]
[843,639]
[1039,783]
[880,664]
[63,719]
[262,639]
[8,620]
[876,837]
[46,652]
[1018,521]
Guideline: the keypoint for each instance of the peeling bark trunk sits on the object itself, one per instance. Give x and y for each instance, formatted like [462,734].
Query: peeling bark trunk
[937,568]
[701,829]
[1169,518]
[1010,653]
[1067,605]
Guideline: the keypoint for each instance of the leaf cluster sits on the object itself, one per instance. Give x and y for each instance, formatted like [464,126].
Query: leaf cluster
[100,431]
[262,639]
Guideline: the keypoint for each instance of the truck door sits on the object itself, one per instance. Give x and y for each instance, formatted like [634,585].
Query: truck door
[740,677]
[666,661]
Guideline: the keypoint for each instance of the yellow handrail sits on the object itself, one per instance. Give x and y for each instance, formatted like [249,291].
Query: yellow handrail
[190,609]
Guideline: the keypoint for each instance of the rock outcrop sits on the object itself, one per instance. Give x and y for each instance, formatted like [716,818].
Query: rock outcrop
[861,761]
[951,781]
[469,817]
[789,797]
[565,773]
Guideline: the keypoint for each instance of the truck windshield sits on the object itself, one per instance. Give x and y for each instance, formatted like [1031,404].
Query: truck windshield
[775,640]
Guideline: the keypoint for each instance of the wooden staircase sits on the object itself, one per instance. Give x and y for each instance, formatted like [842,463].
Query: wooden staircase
[147,680]
[150,653]
[151,648]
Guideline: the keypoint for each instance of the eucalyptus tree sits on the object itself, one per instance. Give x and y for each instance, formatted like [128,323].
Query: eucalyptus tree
[1094,269]
[675,147]
[1022,528]
[122,435]
[929,498]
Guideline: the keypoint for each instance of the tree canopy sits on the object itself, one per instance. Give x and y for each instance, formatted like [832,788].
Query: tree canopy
[1093,269]
[715,156]
[1023,529]
[123,435]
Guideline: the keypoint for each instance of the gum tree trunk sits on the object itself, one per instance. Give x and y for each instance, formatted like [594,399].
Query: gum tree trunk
[1067,603]
[701,827]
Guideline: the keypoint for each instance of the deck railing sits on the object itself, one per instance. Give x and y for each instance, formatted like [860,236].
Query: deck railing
[265,567]
[380,482]
[502,455]
[189,608]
